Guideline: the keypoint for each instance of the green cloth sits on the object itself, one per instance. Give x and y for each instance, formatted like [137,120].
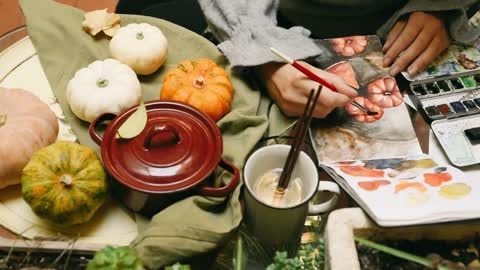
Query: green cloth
[196,224]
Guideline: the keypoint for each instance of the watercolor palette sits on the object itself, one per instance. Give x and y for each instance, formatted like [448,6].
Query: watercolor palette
[408,190]
[447,97]
[457,59]
[449,92]
[453,135]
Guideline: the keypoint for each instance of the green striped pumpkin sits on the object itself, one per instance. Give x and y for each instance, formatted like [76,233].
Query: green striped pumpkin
[65,183]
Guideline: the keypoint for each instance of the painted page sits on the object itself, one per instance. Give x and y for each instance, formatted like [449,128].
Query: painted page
[409,190]
[458,58]
[349,133]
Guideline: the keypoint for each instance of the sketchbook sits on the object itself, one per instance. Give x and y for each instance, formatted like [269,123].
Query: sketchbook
[349,133]
[357,149]
[408,190]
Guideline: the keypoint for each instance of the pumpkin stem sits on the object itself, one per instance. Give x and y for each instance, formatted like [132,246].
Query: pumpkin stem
[139,35]
[199,82]
[66,179]
[387,93]
[101,83]
[3,119]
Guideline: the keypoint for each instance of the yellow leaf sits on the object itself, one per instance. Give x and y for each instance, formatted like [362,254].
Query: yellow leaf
[135,123]
[100,20]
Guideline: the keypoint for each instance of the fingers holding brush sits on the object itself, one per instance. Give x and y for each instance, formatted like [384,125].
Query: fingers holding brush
[290,88]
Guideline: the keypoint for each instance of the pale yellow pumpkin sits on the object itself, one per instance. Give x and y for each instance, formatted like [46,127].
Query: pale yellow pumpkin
[26,125]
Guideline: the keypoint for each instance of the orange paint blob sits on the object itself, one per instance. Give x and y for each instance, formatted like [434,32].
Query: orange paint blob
[361,171]
[436,179]
[373,185]
[415,185]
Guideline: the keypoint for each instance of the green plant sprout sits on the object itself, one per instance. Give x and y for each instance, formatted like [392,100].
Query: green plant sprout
[403,255]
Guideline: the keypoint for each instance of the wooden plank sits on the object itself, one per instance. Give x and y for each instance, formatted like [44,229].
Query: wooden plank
[48,246]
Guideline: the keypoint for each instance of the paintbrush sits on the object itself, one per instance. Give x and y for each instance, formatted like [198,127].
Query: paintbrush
[316,78]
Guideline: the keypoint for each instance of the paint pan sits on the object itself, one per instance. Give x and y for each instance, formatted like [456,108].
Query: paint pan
[470,105]
[456,83]
[433,112]
[432,88]
[444,109]
[469,82]
[476,77]
[458,107]
[444,86]
[477,101]
[419,90]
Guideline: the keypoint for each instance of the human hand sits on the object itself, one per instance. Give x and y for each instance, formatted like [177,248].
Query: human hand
[418,41]
[290,88]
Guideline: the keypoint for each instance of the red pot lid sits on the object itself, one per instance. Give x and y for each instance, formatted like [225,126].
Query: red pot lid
[179,148]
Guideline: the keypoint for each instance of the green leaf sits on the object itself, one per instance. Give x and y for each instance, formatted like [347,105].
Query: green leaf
[135,123]
[400,254]
[178,266]
[239,254]
[110,258]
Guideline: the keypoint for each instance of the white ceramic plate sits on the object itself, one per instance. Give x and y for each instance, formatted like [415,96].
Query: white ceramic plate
[114,225]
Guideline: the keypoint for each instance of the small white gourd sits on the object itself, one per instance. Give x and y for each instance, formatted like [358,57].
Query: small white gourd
[103,86]
[143,47]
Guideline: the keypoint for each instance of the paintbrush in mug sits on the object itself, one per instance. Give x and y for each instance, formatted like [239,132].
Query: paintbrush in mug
[316,78]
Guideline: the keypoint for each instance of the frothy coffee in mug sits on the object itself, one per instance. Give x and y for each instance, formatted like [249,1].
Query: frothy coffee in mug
[266,187]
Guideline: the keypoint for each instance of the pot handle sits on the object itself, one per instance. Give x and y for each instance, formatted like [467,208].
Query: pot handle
[226,190]
[100,119]
[148,144]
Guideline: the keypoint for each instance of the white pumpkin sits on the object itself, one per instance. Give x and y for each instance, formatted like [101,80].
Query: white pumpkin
[103,86]
[26,125]
[143,47]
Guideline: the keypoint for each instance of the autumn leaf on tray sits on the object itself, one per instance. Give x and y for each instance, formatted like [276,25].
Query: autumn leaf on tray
[361,171]
[100,20]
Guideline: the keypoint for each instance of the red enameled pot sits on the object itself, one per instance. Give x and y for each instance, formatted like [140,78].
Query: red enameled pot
[171,159]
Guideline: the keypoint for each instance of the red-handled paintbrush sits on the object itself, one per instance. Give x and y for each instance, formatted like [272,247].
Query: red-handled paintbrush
[316,78]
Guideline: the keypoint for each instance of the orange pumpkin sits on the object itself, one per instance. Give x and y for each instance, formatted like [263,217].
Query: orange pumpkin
[201,84]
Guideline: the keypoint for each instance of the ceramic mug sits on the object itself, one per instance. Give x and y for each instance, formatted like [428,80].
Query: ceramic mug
[279,227]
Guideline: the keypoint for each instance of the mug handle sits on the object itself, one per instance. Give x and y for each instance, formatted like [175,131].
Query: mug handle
[316,209]
[100,119]
[223,191]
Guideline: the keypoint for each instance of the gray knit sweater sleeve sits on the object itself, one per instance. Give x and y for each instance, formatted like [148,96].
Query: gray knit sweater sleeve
[457,21]
[248,28]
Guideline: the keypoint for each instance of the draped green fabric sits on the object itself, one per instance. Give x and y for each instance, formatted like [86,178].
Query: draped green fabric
[196,224]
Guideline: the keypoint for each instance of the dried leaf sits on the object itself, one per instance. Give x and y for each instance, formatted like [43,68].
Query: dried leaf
[111,24]
[111,20]
[134,124]
[100,20]
[93,22]
[111,31]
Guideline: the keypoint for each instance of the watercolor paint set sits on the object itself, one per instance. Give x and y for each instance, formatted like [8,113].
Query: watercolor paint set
[447,95]
[408,190]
